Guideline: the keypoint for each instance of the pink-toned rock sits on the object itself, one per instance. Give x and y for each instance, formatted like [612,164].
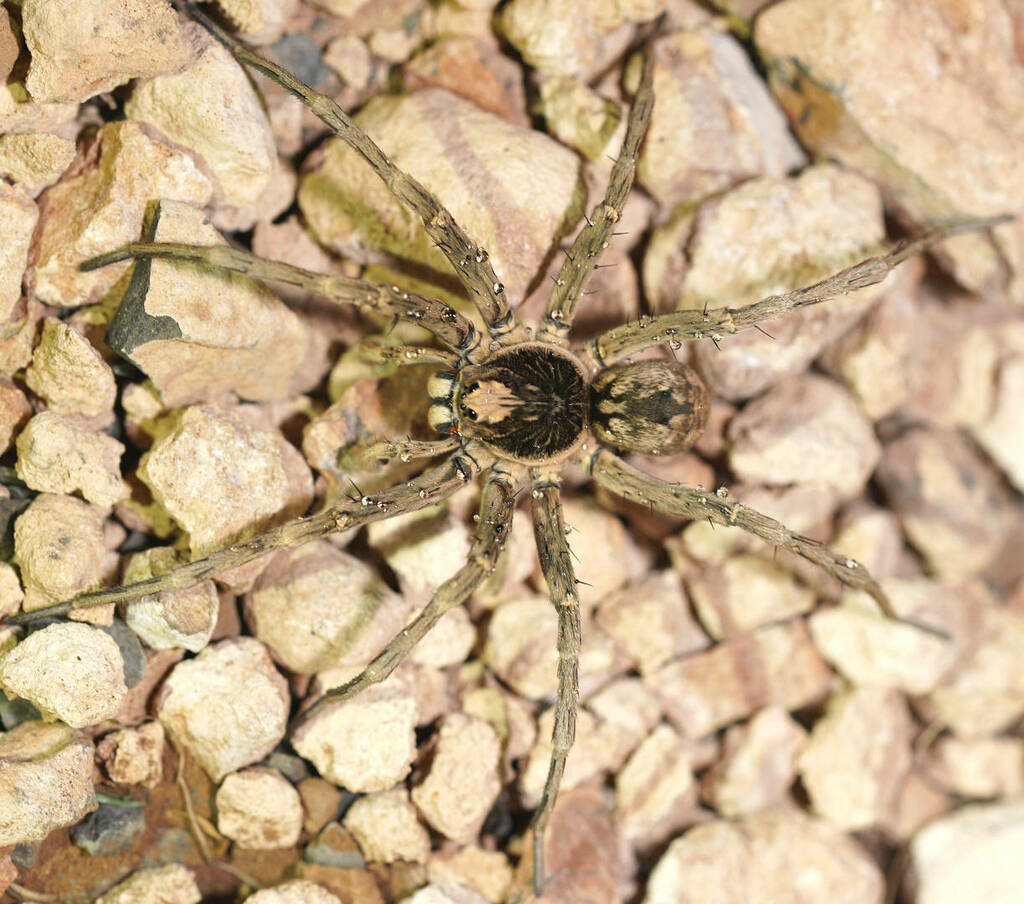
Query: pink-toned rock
[1002,433]
[140,39]
[134,755]
[858,756]
[259,809]
[387,829]
[18,218]
[14,411]
[228,706]
[777,857]
[766,237]
[486,872]
[979,767]
[45,781]
[171,884]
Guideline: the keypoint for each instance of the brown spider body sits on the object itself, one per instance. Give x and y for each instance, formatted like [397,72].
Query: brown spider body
[524,404]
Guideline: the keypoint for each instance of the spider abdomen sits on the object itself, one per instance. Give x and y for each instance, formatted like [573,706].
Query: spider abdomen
[527,402]
[654,407]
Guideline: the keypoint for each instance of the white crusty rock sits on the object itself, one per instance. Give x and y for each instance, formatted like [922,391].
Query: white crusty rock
[213,110]
[198,333]
[766,237]
[15,410]
[777,857]
[387,828]
[71,376]
[175,618]
[35,160]
[134,755]
[223,479]
[978,767]
[463,781]
[171,884]
[973,854]
[317,607]
[259,809]
[18,218]
[45,781]
[366,743]
[103,207]
[444,893]
[858,756]
[228,706]
[486,872]
[1001,434]
[299,891]
[139,39]
[58,546]
[511,189]
[55,455]
[68,671]
[805,429]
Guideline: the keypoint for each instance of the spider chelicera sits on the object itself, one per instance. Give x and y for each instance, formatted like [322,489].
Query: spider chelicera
[517,406]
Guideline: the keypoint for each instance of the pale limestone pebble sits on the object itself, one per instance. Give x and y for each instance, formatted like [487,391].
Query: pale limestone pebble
[1001,434]
[351,60]
[223,480]
[317,607]
[921,801]
[872,537]
[364,16]
[650,620]
[858,756]
[297,891]
[273,201]
[488,873]
[586,857]
[45,781]
[944,148]
[774,665]
[744,593]
[513,568]
[513,190]
[715,124]
[260,21]
[463,781]
[521,648]
[972,854]
[978,767]
[259,809]
[655,791]
[71,376]
[986,693]
[81,48]
[387,828]
[134,756]
[423,548]
[228,706]
[55,455]
[171,884]
[758,764]
[610,726]
[768,236]
[102,207]
[577,115]
[449,642]
[776,857]
[35,160]
[363,744]
[868,648]
[805,429]
[11,594]
[199,333]
[951,501]
[182,618]
[58,547]
[474,69]
[395,45]
[18,218]
[15,410]
[444,893]
[9,46]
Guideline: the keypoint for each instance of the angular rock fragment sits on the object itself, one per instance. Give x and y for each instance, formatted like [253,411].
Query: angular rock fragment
[68,671]
[511,189]
[55,455]
[299,891]
[387,828]
[259,809]
[1001,435]
[138,40]
[198,333]
[486,872]
[134,755]
[35,160]
[14,411]
[228,706]
[18,218]
[978,767]
[171,884]
[45,781]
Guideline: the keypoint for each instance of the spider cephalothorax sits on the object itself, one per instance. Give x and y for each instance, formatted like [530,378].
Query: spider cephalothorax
[517,411]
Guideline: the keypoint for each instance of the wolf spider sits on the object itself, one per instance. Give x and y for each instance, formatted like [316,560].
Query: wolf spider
[514,406]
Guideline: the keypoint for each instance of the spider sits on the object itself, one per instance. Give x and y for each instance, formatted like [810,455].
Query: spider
[517,407]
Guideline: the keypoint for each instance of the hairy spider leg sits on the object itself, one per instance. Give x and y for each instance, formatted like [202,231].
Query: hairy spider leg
[556,566]
[432,486]
[593,239]
[447,324]
[623,341]
[497,505]
[470,262]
